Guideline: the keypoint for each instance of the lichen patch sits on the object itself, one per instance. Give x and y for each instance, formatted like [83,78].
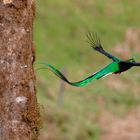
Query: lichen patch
[21,99]
[7,1]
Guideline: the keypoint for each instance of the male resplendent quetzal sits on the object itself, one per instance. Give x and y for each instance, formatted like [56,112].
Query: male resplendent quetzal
[117,66]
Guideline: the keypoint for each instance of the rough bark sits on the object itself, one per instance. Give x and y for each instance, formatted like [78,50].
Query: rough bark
[19,112]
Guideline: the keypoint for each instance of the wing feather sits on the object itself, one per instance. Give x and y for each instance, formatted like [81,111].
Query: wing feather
[135,63]
[95,43]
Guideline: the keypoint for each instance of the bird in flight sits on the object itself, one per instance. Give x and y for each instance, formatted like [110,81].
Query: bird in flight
[117,66]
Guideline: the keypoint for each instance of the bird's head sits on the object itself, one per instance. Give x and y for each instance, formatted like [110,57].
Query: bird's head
[131,60]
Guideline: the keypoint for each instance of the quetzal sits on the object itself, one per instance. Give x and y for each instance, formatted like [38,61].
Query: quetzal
[117,66]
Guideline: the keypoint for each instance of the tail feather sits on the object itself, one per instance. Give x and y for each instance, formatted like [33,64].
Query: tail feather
[84,82]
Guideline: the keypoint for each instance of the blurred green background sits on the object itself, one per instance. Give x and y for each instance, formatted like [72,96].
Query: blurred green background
[71,113]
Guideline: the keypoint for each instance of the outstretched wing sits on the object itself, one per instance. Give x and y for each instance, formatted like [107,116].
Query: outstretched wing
[132,62]
[135,63]
[111,68]
[95,43]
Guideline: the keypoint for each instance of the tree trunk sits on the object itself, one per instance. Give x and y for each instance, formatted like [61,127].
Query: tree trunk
[19,111]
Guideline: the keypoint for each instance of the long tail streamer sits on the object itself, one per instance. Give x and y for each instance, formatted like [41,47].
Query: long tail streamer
[102,73]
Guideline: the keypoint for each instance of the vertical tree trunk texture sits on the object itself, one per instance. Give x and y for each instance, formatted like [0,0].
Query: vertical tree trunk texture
[19,111]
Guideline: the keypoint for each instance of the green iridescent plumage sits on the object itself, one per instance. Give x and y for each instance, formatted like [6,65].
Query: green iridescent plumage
[109,69]
[117,66]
